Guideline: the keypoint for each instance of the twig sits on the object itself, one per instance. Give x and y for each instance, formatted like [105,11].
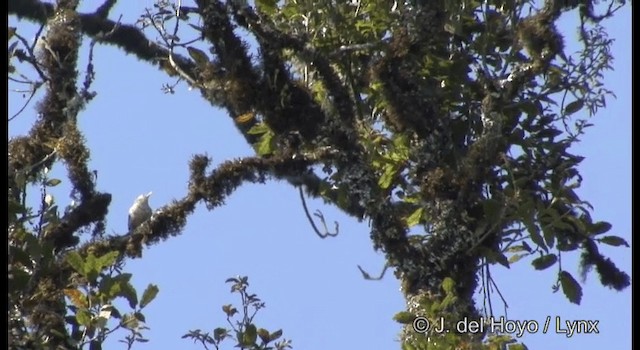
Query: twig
[31,50]
[488,295]
[320,216]
[177,68]
[36,85]
[485,290]
[90,75]
[170,43]
[504,301]
[30,58]
[368,277]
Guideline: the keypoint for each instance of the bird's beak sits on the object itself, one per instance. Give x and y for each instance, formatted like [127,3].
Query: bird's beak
[148,194]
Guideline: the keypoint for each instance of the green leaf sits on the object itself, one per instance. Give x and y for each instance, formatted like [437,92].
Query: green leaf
[570,287]
[197,28]
[129,321]
[534,234]
[129,293]
[266,144]
[275,335]
[140,316]
[531,108]
[496,257]
[249,335]
[258,129]
[516,248]
[552,132]
[229,310]
[267,6]
[573,107]
[91,267]
[111,287]
[448,285]
[544,261]
[106,260]
[548,100]
[389,173]
[401,146]
[565,245]
[83,316]
[148,295]
[220,333]
[568,193]
[614,241]
[516,258]
[232,279]
[526,213]
[549,235]
[415,217]
[53,182]
[404,317]
[599,227]
[198,56]
[77,263]
[264,335]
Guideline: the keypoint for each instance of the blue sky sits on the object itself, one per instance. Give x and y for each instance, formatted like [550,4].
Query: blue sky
[141,140]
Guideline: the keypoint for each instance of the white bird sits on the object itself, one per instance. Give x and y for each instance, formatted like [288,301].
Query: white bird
[140,211]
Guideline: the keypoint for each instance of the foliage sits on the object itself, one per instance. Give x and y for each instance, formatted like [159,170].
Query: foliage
[243,332]
[83,313]
[431,322]
[452,119]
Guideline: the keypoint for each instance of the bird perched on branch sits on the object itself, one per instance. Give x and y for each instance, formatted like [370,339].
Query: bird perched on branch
[140,211]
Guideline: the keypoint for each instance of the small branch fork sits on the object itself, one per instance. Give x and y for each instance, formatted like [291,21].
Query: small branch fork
[320,216]
[368,277]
